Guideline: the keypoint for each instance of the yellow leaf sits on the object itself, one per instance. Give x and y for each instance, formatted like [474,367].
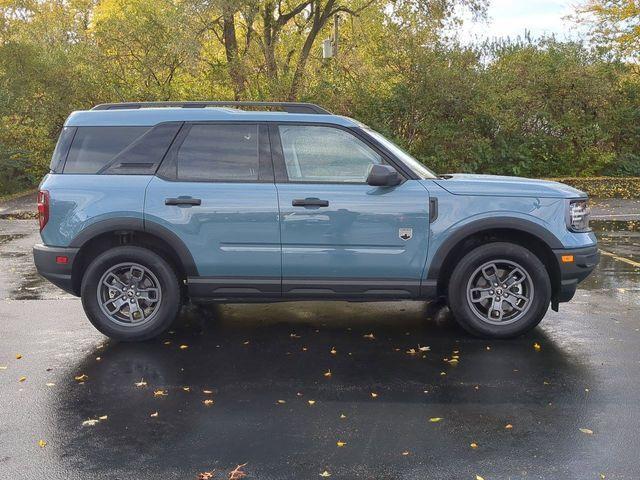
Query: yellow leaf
[103,417]
[327,373]
[473,445]
[159,393]
[405,453]
[167,342]
[586,431]
[412,351]
[340,443]
[435,419]
[90,423]
[208,402]
[22,379]
[342,415]
[478,477]
[453,361]
[154,414]
[281,401]
[311,402]
[18,356]
[333,350]
[423,349]
[369,336]
[3,367]
[537,347]
[207,392]
[42,443]
[374,395]
[81,378]
[49,384]
[325,474]
[141,383]
[184,347]
[508,426]
[186,389]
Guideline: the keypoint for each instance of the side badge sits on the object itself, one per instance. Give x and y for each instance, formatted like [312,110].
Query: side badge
[405,233]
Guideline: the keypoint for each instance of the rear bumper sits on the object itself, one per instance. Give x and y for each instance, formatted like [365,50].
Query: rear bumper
[59,274]
[572,273]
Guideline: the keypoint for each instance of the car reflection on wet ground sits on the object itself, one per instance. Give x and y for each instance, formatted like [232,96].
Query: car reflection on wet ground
[398,385]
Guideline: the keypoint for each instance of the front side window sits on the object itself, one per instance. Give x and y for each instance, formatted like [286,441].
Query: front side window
[325,154]
[216,152]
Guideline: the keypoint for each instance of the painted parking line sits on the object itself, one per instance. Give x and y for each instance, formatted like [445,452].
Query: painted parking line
[620,259]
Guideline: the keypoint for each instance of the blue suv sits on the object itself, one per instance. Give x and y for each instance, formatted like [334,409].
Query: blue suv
[149,205]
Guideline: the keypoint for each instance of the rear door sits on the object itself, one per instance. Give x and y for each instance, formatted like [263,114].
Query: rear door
[215,190]
[340,236]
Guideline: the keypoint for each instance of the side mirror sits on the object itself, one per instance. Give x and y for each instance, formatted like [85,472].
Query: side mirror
[383,176]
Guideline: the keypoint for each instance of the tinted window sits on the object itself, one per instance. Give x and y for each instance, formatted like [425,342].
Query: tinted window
[62,148]
[325,154]
[219,152]
[144,154]
[94,147]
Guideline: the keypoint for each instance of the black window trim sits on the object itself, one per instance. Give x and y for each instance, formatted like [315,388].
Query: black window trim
[63,160]
[168,167]
[279,163]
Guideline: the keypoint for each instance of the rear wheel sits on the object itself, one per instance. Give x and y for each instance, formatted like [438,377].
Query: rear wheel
[130,293]
[499,290]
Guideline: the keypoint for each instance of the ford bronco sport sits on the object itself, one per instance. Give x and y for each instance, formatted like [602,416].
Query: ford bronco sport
[148,205]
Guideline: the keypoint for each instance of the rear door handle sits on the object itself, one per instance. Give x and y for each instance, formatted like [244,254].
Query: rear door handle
[183,201]
[310,202]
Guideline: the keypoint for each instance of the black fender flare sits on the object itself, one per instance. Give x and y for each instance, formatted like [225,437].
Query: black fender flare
[127,224]
[485,224]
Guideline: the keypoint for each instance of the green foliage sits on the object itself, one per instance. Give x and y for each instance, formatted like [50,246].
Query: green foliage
[532,108]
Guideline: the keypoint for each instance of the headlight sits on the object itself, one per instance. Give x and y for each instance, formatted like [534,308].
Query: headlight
[578,216]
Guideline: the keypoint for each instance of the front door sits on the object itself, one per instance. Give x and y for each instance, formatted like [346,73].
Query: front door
[340,236]
[215,191]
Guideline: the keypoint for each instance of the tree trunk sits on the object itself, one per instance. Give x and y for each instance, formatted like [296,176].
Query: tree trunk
[270,33]
[231,50]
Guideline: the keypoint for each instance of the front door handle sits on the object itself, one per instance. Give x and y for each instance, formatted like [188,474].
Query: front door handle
[183,201]
[310,202]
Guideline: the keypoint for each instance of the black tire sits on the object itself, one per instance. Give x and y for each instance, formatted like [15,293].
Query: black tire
[474,312]
[168,302]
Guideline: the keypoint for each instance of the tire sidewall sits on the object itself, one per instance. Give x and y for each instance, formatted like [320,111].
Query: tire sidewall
[463,312]
[167,279]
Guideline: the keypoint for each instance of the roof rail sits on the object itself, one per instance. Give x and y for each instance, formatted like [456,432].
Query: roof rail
[290,107]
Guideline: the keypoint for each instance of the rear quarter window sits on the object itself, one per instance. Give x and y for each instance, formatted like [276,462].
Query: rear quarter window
[94,147]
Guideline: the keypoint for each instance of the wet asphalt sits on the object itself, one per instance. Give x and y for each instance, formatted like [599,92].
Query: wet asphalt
[287,382]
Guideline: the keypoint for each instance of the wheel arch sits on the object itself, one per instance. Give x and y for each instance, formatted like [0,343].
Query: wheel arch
[110,233]
[527,234]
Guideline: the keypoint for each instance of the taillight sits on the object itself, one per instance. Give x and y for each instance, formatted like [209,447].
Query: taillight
[43,208]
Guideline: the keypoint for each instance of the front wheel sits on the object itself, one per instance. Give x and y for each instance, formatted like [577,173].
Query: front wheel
[130,293]
[499,290]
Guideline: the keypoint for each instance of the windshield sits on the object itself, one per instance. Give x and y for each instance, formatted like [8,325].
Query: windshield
[417,167]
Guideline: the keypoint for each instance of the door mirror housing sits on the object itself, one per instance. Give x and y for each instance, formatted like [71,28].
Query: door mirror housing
[383,176]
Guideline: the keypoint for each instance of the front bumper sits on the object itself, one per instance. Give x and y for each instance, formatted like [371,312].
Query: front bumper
[59,274]
[572,273]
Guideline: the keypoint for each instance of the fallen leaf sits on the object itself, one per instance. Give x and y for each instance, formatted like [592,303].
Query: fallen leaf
[208,402]
[374,395]
[342,415]
[98,359]
[340,443]
[369,336]
[246,343]
[22,379]
[327,373]
[103,417]
[508,426]
[186,389]
[311,402]
[18,356]
[42,443]
[205,476]
[154,414]
[81,378]
[207,392]
[473,445]
[453,361]
[167,342]
[435,419]
[412,351]
[237,472]
[281,402]
[184,347]
[3,367]
[602,476]
[488,348]
[405,453]
[141,383]
[325,474]
[49,384]
[442,374]
[423,349]
[537,347]
[91,422]
[294,335]
[333,351]
[159,393]
[586,431]
[478,477]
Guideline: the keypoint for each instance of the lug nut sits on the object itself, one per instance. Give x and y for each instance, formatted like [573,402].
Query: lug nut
[490,292]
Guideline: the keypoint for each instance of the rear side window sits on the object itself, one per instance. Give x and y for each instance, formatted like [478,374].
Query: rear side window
[94,147]
[215,152]
[62,149]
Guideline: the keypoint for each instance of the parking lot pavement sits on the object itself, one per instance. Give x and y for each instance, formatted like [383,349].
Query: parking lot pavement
[287,382]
